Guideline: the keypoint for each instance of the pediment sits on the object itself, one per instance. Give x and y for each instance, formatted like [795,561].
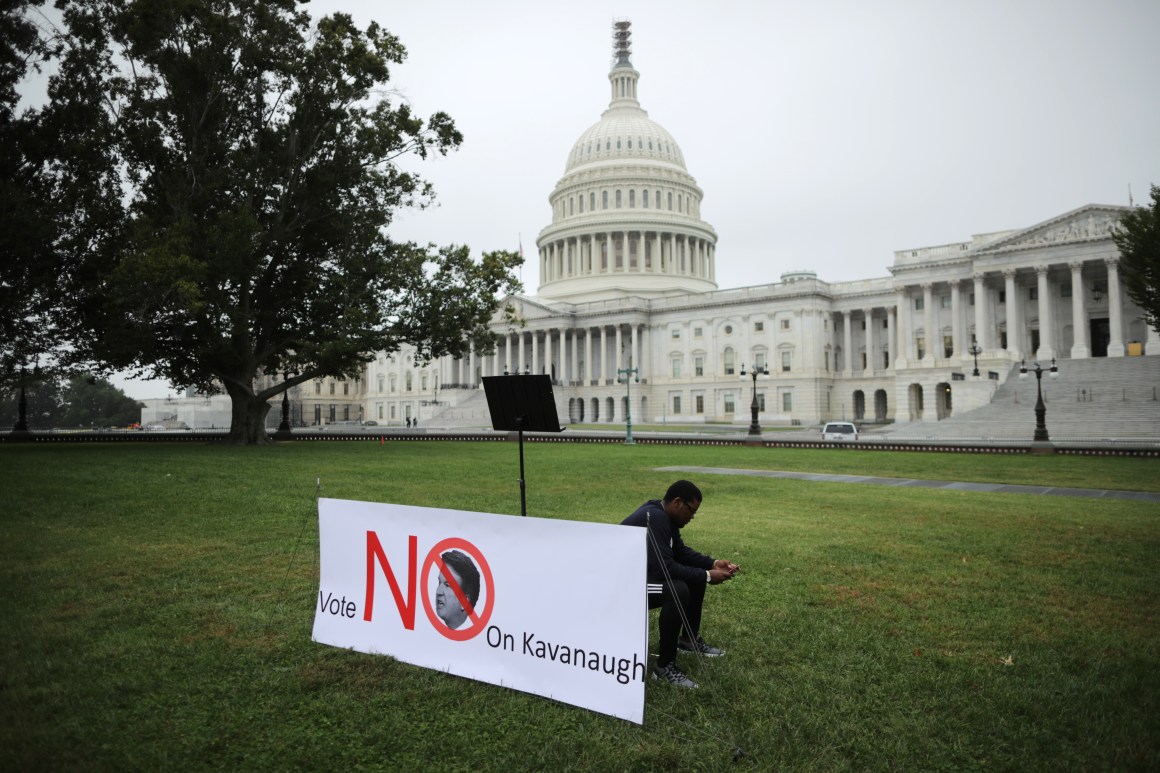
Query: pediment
[1091,223]
[527,309]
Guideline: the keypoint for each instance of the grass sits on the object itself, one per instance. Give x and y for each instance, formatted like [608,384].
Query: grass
[159,599]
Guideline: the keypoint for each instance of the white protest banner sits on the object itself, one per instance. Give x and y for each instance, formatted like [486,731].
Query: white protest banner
[554,608]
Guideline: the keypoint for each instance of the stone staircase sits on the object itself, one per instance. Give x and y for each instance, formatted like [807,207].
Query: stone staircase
[1105,398]
[469,413]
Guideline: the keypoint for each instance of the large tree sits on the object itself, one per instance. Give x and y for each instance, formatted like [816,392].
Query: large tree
[1138,238]
[255,162]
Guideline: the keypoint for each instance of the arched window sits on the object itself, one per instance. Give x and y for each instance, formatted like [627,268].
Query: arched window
[644,197]
[604,199]
[728,357]
[670,201]
[581,203]
[632,198]
[618,198]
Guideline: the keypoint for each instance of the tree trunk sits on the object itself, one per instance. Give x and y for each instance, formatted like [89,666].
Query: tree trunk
[248,422]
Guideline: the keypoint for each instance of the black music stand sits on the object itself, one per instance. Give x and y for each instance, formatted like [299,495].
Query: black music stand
[521,404]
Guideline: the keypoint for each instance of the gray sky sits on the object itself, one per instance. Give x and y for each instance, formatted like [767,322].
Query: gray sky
[825,135]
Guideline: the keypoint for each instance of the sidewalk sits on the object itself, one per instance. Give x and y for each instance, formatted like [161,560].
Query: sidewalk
[996,488]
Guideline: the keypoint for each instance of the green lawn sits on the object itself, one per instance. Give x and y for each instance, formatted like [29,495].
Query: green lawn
[159,600]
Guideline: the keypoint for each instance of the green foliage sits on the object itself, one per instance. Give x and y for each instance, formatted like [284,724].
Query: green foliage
[247,169]
[159,603]
[1138,238]
[84,401]
[94,402]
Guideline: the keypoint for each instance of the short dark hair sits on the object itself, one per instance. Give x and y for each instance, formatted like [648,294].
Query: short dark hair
[468,574]
[684,490]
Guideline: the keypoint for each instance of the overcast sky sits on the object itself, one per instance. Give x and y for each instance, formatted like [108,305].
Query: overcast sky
[825,135]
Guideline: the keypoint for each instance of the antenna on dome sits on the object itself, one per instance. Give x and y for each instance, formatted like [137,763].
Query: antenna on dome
[622,41]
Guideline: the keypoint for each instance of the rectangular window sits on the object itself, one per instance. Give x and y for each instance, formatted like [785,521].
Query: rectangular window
[920,346]
[785,324]
[699,366]
[729,402]
[1065,290]
[758,327]
[317,387]
[919,304]
[786,402]
[944,301]
[676,333]
[345,388]
[972,299]
[699,401]
[948,346]
[1002,296]
[1032,293]
[380,407]
[332,387]
[697,332]
[863,360]
[676,367]
[863,325]
[785,361]
[761,402]
[676,403]
[759,360]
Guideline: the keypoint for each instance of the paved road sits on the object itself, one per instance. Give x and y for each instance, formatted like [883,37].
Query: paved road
[998,488]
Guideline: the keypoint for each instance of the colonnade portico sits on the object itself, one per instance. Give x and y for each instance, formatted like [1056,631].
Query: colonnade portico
[657,252]
[573,356]
[1036,310]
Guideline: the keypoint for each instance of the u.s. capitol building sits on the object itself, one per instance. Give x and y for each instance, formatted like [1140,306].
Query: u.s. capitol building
[628,289]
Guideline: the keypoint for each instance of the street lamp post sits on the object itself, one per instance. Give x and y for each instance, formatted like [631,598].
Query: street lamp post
[754,372]
[1040,408]
[21,426]
[622,377]
[975,350]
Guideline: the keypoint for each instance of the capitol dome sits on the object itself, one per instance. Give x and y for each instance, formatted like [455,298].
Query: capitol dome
[626,215]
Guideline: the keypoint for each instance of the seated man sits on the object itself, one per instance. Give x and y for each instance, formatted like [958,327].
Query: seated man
[677,576]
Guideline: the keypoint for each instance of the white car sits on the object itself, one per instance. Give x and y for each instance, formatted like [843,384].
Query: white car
[843,431]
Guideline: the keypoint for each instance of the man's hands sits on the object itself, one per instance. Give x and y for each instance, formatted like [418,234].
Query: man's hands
[722,570]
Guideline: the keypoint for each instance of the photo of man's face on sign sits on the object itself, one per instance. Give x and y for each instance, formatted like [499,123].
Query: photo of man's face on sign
[458,572]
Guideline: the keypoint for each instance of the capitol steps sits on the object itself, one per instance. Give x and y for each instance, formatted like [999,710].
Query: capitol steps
[1096,398]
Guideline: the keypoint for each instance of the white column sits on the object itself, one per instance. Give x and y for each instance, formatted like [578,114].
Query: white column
[1115,309]
[1079,322]
[1046,326]
[1013,327]
[548,352]
[604,354]
[982,334]
[957,344]
[618,353]
[574,371]
[1152,343]
[932,334]
[847,346]
[535,352]
[868,315]
[892,324]
[645,351]
[634,348]
[902,354]
[589,371]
